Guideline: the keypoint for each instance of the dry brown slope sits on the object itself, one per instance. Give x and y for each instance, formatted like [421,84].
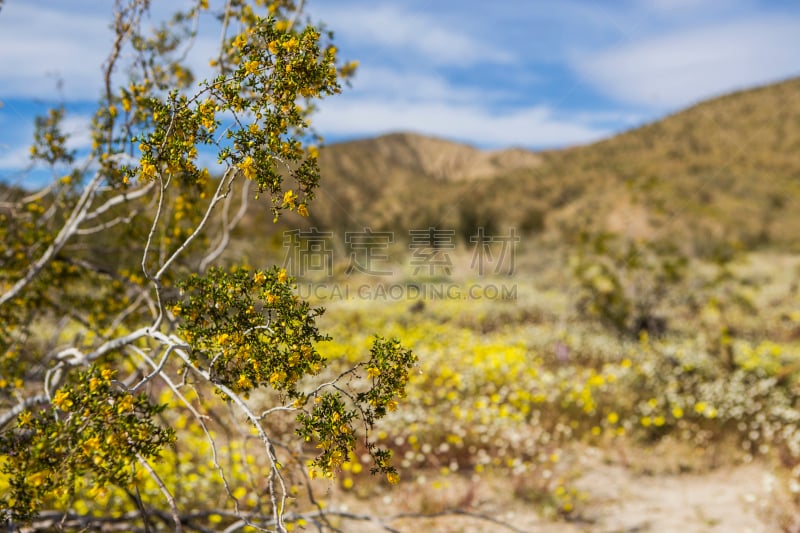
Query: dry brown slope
[724,170]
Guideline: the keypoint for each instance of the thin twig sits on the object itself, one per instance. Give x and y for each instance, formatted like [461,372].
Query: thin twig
[164,490]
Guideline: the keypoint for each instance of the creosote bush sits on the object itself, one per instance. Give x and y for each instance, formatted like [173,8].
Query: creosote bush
[140,383]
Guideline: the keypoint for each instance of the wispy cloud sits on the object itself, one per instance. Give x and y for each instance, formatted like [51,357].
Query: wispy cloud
[14,158]
[43,46]
[533,127]
[680,68]
[409,32]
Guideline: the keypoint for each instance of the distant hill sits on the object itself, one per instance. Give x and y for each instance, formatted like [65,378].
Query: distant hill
[726,170]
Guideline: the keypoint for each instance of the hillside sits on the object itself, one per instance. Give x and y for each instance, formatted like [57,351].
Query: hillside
[724,171]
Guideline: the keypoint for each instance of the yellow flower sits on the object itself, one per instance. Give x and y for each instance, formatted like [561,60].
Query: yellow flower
[247,166]
[251,67]
[243,382]
[288,198]
[393,477]
[37,479]
[302,210]
[613,418]
[260,278]
[677,412]
[373,372]
[282,276]
[24,418]
[291,44]
[90,445]
[148,170]
[240,41]
[125,404]
[61,400]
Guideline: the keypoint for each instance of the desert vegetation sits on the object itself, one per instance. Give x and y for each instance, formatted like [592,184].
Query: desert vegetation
[463,341]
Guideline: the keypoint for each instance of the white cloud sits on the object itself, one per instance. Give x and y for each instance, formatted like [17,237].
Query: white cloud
[534,127]
[681,68]
[679,7]
[78,129]
[45,43]
[17,155]
[413,85]
[14,158]
[40,45]
[420,34]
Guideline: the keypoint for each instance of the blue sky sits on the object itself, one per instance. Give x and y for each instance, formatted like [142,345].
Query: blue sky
[524,73]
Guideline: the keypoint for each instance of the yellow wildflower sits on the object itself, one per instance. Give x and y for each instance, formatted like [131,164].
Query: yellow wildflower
[148,170]
[291,44]
[125,404]
[251,67]
[243,382]
[247,166]
[289,198]
[61,400]
[240,41]
[24,418]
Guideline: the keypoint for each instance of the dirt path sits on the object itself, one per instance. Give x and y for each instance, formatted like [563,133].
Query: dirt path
[729,499]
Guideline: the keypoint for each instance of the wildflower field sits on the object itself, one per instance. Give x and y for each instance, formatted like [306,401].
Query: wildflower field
[524,389]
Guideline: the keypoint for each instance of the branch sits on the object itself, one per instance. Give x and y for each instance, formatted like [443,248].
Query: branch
[70,226]
[227,227]
[12,413]
[277,508]
[164,490]
[120,198]
[230,174]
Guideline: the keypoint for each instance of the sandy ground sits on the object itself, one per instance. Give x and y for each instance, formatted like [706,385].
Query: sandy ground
[730,499]
[727,499]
